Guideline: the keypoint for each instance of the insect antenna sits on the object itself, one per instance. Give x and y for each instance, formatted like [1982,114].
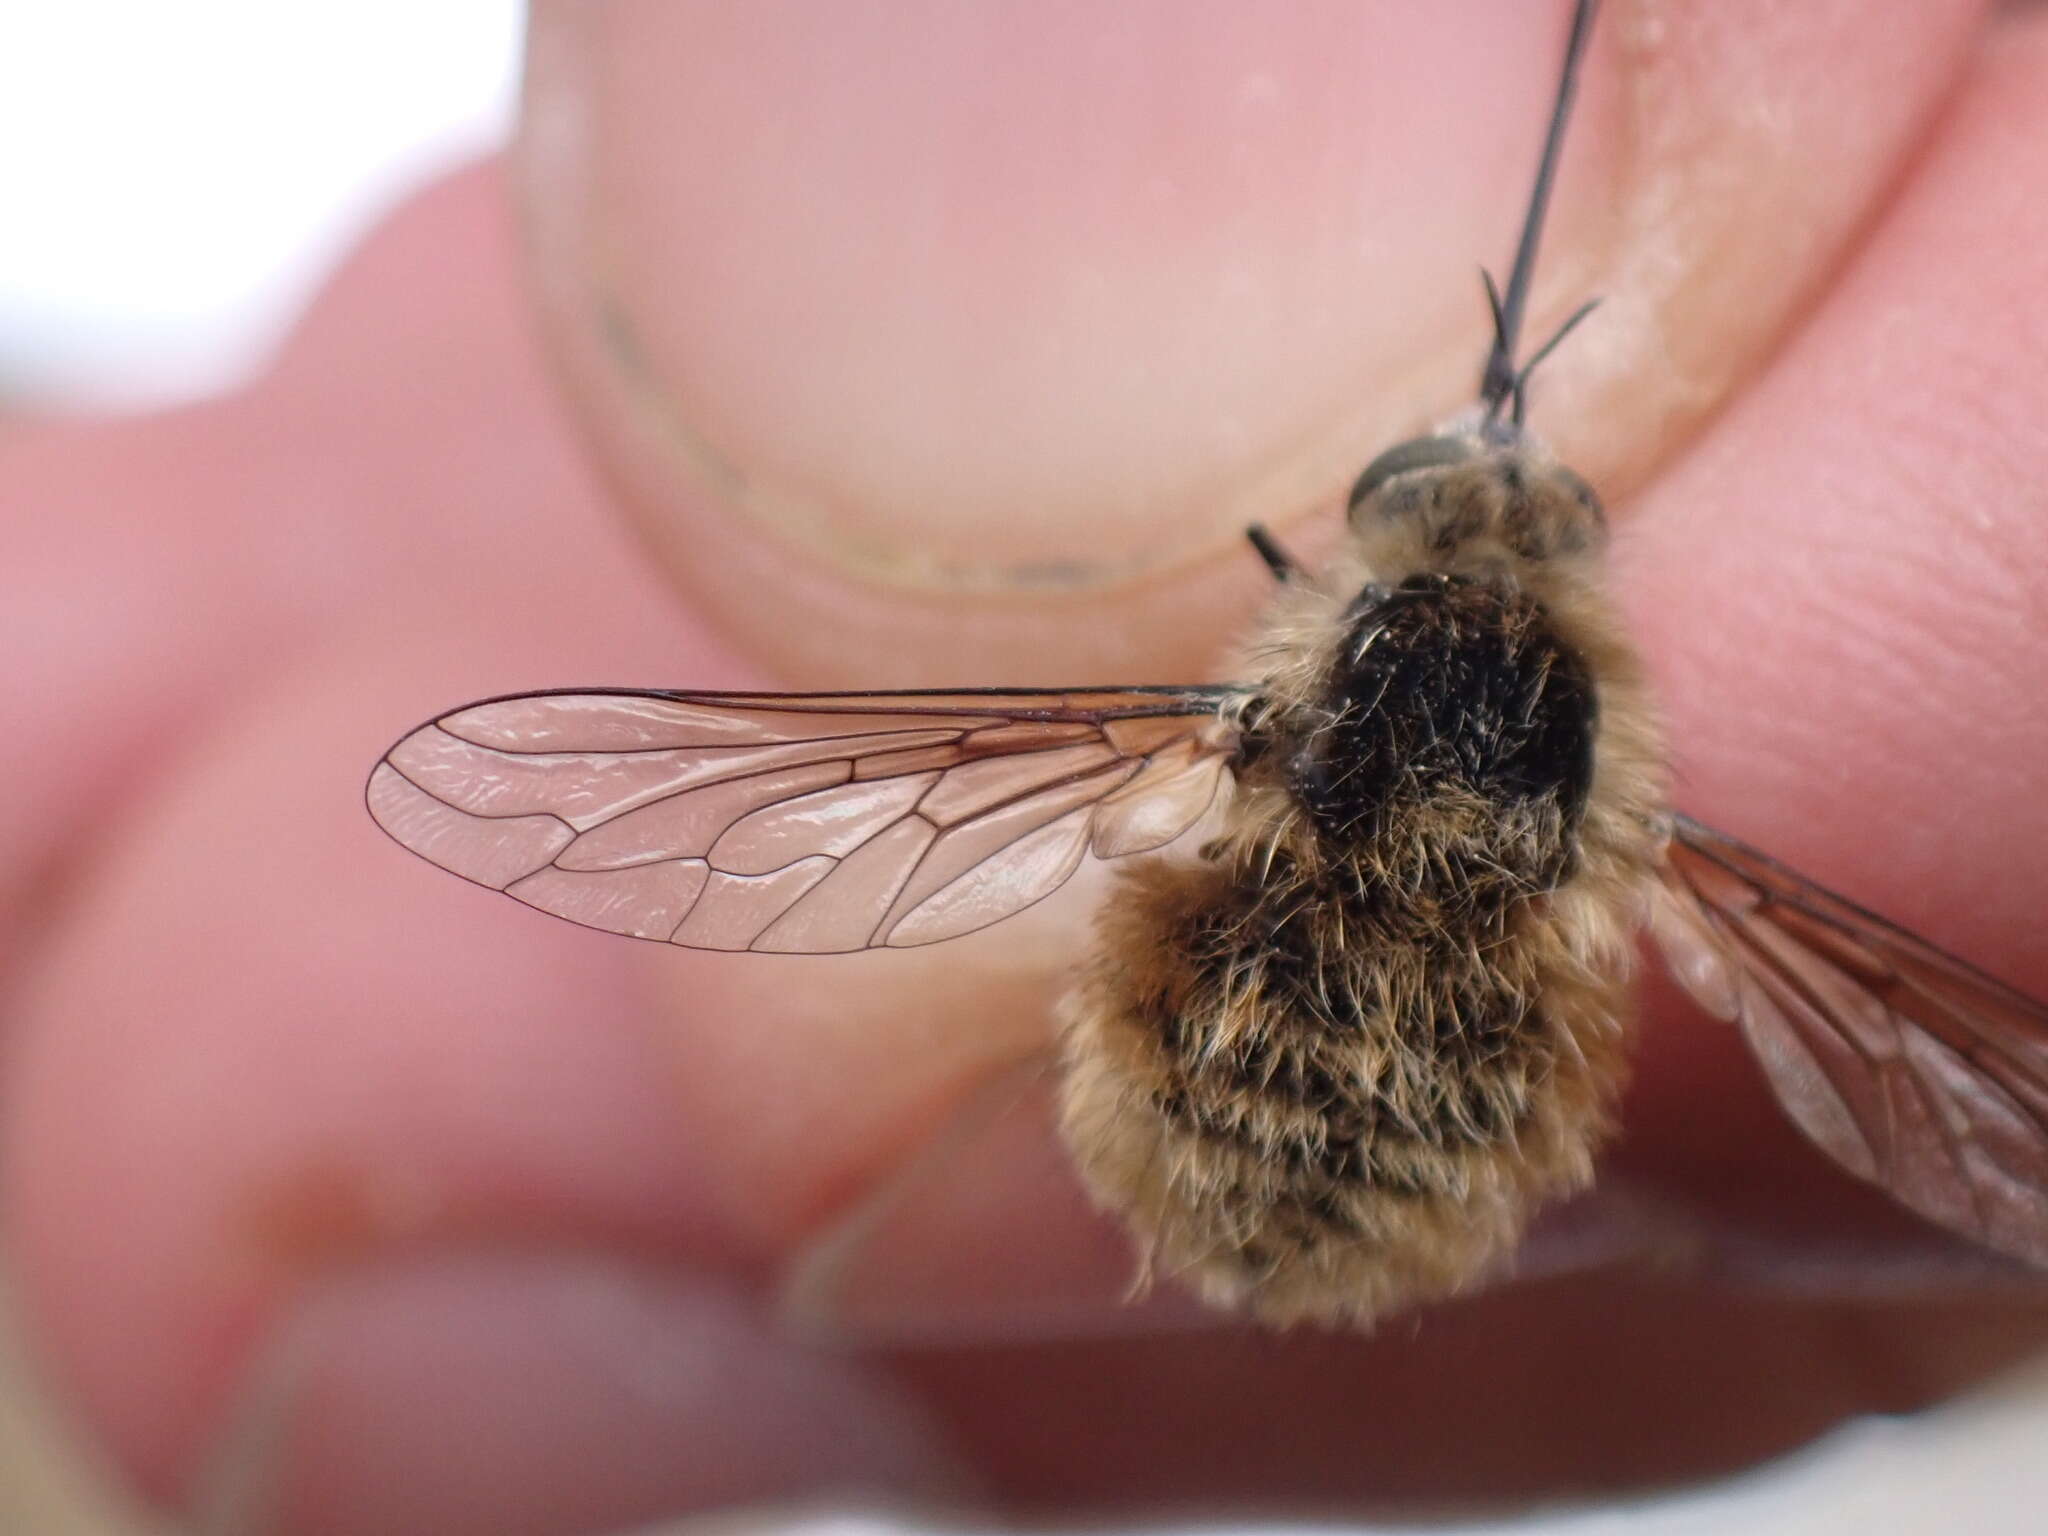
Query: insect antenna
[1502,384]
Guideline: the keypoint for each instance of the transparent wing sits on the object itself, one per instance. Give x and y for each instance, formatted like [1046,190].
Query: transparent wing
[1909,1067]
[798,823]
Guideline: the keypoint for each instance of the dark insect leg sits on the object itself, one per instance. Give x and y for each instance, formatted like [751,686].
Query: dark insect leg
[1550,346]
[1493,306]
[1283,565]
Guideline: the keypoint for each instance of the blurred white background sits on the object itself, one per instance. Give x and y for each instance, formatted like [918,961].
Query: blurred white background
[176,179]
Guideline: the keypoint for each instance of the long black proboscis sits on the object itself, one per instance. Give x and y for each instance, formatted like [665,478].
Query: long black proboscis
[1500,382]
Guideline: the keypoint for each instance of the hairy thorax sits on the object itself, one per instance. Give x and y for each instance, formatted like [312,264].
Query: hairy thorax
[1332,1065]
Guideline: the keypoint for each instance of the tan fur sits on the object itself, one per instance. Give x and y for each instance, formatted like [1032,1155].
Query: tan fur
[1307,1169]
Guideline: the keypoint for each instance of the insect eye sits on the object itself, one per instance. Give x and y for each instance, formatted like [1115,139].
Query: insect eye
[1587,497]
[1416,453]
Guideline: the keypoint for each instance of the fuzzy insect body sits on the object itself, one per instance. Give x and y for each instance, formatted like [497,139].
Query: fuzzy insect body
[1328,1064]
[1331,1068]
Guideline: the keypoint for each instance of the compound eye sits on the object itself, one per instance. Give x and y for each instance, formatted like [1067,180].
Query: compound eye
[1416,453]
[1586,495]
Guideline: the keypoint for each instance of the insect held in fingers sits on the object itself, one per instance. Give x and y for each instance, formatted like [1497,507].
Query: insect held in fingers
[1326,1060]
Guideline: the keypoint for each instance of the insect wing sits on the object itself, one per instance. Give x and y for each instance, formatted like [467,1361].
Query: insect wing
[1909,1067]
[798,823]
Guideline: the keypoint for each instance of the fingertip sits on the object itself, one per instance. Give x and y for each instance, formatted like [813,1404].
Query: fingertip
[1834,583]
[549,1392]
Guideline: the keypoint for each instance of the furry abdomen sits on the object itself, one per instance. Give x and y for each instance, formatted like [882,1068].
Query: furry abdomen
[1281,1135]
[1331,1068]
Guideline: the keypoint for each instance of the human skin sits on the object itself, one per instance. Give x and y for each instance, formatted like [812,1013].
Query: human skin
[337,1189]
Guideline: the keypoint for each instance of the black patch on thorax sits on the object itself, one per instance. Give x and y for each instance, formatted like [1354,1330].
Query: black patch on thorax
[1446,686]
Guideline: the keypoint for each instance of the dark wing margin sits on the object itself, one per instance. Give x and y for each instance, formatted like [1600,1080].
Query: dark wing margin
[798,823]
[1911,1068]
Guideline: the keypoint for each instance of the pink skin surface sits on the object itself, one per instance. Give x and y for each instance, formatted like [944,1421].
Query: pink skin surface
[926,344]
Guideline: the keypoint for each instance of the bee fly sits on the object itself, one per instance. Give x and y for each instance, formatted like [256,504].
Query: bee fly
[1329,1064]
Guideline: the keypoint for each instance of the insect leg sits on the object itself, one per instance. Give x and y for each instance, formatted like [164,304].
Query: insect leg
[1521,385]
[1283,565]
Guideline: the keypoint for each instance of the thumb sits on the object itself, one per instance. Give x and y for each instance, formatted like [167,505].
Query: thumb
[938,344]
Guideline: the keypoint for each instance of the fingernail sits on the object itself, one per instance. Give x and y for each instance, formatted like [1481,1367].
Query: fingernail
[983,1235]
[1876,1269]
[1614,1223]
[498,1393]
